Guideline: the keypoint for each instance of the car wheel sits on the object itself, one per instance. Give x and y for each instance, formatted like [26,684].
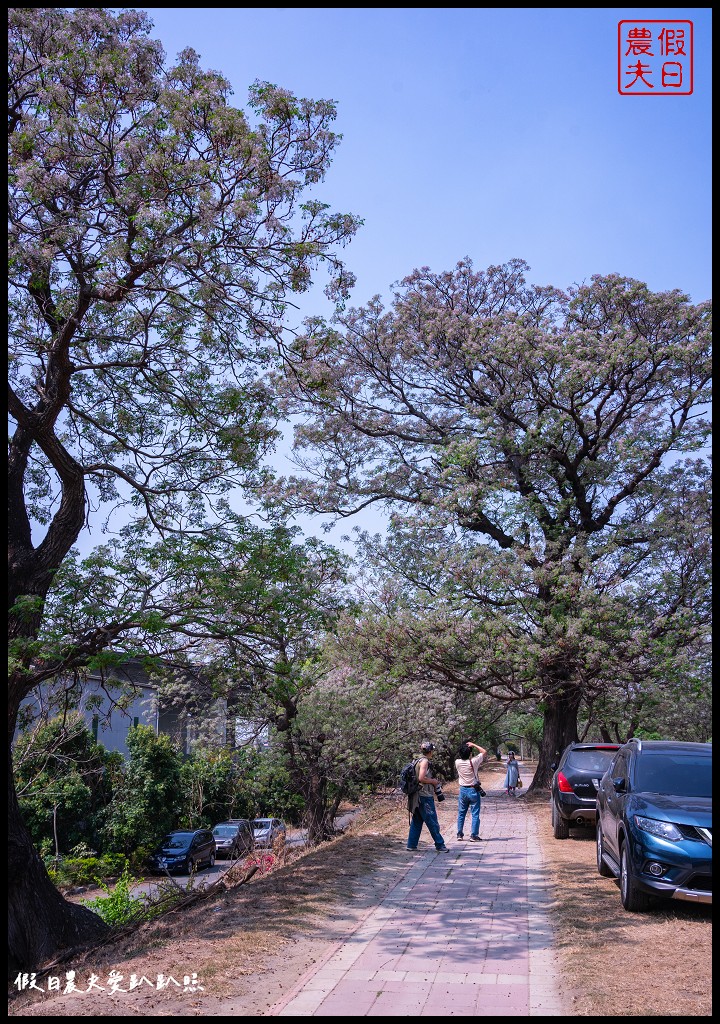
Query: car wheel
[632,898]
[602,867]
[211,862]
[561,829]
[191,866]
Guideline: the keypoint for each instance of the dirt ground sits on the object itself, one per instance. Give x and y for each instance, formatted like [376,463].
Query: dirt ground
[239,953]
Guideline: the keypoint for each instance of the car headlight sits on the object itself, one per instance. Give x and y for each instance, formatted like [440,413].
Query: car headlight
[661,829]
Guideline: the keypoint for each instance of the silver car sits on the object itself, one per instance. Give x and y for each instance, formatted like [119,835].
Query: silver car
[268,831]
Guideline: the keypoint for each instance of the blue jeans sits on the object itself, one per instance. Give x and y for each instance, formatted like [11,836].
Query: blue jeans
[425,812]
[468,798]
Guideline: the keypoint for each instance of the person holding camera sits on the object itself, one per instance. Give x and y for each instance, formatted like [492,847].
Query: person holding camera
[470,792]
[421,804]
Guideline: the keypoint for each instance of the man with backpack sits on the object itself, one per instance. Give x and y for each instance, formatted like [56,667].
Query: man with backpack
[421,801]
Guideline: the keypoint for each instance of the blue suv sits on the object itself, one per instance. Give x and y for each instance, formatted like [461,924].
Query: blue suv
[654,822]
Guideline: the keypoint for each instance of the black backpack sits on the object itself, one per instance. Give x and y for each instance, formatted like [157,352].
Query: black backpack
[408,779]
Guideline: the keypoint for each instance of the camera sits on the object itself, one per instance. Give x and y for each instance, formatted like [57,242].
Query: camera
[439,795]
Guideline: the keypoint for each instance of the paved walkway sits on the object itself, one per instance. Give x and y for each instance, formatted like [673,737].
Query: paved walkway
[461,933]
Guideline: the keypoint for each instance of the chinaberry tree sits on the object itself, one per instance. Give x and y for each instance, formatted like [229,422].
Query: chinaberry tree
[259,617]
[232,619]
[364,725]
[157,234]
[542,453]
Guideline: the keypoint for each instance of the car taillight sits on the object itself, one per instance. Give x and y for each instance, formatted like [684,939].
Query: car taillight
[563,784]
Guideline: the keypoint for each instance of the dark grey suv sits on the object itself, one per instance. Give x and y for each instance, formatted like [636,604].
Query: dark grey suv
[233,838]
[573,792]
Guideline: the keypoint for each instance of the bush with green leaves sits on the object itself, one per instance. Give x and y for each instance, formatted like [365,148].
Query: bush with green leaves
[72,871]
[209,780]
[264,786]
[64,783]
[243,783]
[119,907]
[149,800]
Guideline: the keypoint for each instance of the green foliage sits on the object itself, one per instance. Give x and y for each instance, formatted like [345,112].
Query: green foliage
[63,780]
[162,330]
[674,707]
[265,787]
[73,871]
[209,783]
[543,455]
[521,730]
[138,368]
[149,799]
[119,907]
[100,802]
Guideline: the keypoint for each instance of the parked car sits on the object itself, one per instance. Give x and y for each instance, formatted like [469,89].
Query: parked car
[654,828]
[573,792]
[268,830]
[234,838]
[184,851]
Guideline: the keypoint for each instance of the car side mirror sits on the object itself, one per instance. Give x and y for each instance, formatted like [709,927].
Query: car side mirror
[619,785]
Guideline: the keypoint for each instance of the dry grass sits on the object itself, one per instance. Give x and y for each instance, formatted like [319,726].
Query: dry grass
[250,946]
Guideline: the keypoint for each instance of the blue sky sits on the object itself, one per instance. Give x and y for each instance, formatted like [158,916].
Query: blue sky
[490,133]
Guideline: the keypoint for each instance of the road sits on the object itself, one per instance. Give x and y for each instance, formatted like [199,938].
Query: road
[207,876]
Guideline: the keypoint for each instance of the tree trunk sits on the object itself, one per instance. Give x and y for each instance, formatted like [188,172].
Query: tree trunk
[316,817]
[40,922]
[559,729]
[332,813]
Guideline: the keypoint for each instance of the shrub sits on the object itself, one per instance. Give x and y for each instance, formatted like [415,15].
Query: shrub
[70,871]
[119,907]
[148,802]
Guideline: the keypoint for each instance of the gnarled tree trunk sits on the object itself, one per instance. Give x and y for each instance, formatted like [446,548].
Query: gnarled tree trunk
[559,729]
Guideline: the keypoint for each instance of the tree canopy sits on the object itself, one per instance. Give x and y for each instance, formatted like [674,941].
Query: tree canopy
[156,233]
[542,452]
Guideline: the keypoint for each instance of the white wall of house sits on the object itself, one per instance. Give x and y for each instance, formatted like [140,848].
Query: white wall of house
[110,725]
[96,698]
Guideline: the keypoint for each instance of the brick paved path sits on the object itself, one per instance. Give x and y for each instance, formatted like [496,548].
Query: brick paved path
[461,933]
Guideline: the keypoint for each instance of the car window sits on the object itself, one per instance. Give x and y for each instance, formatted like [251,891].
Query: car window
[225,831]
[619,768]
[674,774]
[178,841]
[590,760]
